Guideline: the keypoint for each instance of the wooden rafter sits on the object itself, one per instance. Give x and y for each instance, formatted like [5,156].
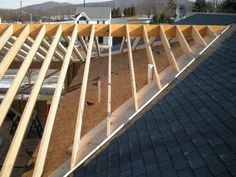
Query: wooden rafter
[6,35]
[9,57]
[197,37]
[80,113]
[22,126]
[131,66]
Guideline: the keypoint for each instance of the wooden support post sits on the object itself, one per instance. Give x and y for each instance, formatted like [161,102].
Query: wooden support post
[151,57]
[182,41]
[136,42]
[82,42]
[25,118]
[39,165]
[99,91]
[97,46]
[122,44]
[168,50]
[132,74]
[9,57]
[109,114]
[80,113]
[9,97]
[6,35]
[211,32]
[197,37]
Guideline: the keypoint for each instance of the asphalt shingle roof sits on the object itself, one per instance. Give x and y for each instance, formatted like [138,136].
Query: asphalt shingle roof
[191,131]
[209,19]
[95,12]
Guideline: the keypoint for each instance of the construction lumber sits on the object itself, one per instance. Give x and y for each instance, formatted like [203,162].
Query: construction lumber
[76,51]
[109,84]
[136,42]
[26,115]
[97,46]
[46,45]
[182,41]
[9,57]
[82,42]
[211,32]
[197,37]
[9,97]
[39,165]
[168,50]
[80,113]
[6,35]
[151,57]
[122,44]
[132,74]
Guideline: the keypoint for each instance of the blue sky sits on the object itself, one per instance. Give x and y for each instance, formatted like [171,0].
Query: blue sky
[14,4]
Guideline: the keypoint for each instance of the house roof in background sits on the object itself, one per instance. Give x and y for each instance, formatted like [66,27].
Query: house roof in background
[209,19]
[191,131]
[95,12]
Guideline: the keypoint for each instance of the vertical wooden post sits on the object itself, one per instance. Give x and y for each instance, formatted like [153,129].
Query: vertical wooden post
[132,74]
[80,113]
[109,114]
[39,165]
[151,57]
[99,91]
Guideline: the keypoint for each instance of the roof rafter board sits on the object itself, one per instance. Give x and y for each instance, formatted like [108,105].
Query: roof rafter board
[22,126]
[6,103]
[80,113]
[118,30]
[6,35]
[9,57]
[53,110]
[75,50]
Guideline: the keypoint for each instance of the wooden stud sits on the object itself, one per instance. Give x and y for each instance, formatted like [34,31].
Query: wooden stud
[182,41]
[122,44]
[80,113]
[151,57]
[9,97]
[197,37]
[97,45]
[46,44]
[76,51]
[6,35]
[109,102]
[83,43]
[39,165]
[211,32]
[168,50]
[131,66]
[136,42]
[9,57]
[25,118]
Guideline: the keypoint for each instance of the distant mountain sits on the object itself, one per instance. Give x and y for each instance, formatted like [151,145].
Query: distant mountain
[47,5]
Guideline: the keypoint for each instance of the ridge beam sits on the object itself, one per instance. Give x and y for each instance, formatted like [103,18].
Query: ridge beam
[182,41]
[9,57]
[168,50]
[151,57]
[197,37]
[132,73]
[79,119]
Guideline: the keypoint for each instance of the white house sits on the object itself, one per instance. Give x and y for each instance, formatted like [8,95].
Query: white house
[93,15]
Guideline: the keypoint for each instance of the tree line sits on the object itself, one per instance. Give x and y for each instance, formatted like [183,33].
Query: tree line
[127,12]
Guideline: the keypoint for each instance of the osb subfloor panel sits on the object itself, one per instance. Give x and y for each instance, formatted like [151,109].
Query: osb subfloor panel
[63,132]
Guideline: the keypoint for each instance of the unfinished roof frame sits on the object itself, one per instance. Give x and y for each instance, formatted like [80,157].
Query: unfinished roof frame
[32,40]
